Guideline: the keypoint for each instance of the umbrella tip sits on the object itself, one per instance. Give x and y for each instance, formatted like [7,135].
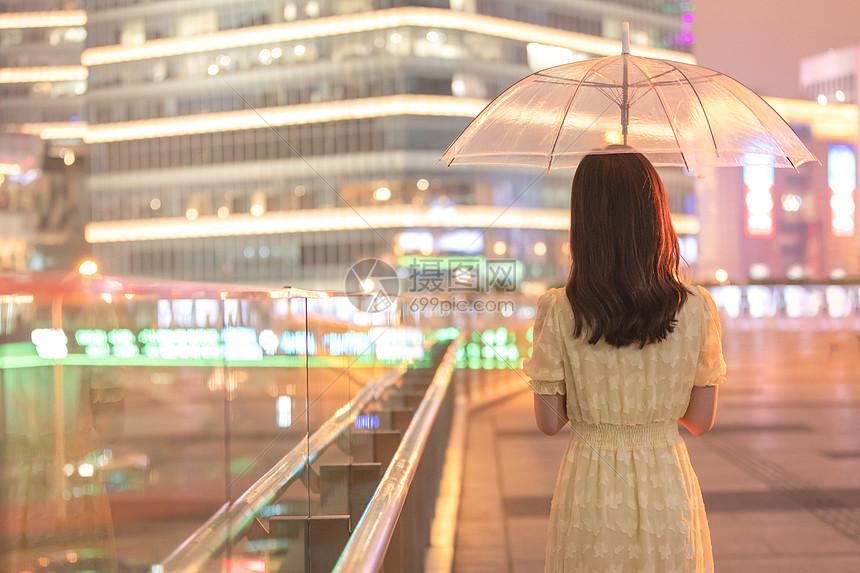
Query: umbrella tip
[625,37]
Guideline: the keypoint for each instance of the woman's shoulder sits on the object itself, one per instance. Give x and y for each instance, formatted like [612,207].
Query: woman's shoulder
[699,297]
[549,301]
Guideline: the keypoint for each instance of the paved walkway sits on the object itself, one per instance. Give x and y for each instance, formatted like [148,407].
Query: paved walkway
[780,473]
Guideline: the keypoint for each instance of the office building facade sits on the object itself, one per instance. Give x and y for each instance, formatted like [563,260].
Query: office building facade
[278,142]
[42,157]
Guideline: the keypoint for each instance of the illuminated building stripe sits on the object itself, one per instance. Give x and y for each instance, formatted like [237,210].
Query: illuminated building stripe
[365,22]
[837,122]
[43,74]
[51,130]
[55,19]
[286,115]
[343,219]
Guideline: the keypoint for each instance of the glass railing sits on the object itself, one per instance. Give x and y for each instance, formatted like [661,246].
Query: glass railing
[137,419]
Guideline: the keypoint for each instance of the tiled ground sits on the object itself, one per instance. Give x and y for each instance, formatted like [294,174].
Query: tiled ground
[780,473]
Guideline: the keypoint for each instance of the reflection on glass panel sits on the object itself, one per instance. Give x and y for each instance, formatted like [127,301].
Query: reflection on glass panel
[131,414]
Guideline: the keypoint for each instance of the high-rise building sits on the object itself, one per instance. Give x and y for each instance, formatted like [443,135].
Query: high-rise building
[762,224]
[832,77]
[42,158]
[278,142]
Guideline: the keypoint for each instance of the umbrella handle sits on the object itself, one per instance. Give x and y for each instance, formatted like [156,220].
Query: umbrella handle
[625,37]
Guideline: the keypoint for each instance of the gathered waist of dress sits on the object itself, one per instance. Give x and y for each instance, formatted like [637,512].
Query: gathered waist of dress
[618,435]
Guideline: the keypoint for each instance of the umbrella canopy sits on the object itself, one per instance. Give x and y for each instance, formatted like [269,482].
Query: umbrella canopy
[674,113]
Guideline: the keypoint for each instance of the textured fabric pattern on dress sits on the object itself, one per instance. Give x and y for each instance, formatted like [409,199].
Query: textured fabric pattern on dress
[631,502]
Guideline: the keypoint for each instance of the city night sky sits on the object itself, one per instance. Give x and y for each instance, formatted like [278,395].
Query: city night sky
[760,42]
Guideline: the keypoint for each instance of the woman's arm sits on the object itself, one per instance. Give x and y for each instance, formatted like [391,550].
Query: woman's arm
[550,412]
[702,410]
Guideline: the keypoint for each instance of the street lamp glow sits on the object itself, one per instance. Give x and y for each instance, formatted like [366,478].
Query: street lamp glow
[88,268]
[721,275]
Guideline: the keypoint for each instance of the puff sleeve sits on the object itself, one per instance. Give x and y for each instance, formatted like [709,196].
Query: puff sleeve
[545,366]
[711,368]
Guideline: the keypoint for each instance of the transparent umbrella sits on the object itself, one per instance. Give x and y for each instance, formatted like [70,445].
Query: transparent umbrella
[675,113]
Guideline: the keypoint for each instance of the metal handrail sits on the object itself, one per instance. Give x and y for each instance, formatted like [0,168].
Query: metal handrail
[232,518]
[366,548]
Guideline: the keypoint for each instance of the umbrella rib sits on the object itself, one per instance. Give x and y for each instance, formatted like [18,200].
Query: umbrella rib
[669,119]
[704,111]
[566,110]
[761,123]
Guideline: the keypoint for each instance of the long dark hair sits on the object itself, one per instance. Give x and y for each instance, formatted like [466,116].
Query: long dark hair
[625,260]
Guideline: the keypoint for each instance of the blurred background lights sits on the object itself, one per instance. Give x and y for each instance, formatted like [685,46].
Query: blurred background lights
[299,50]
[69,157]
[191,214]
[721,275]
[432,36]
[223,60]
[284,409]
[212,69]
[463,275]
[840,96]
[500,248]
[794,272]
[366,285]
[155,204]
[277,53]
[822,99]
[382,194]
[791,203]
[223,212]
[540,248]
[759,200]
[258,203]
[759,271]
[842,181]
[88,267]
[422,184]
[86,470]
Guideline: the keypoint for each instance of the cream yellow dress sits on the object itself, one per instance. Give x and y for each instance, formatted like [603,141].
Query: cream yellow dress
[626,499]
